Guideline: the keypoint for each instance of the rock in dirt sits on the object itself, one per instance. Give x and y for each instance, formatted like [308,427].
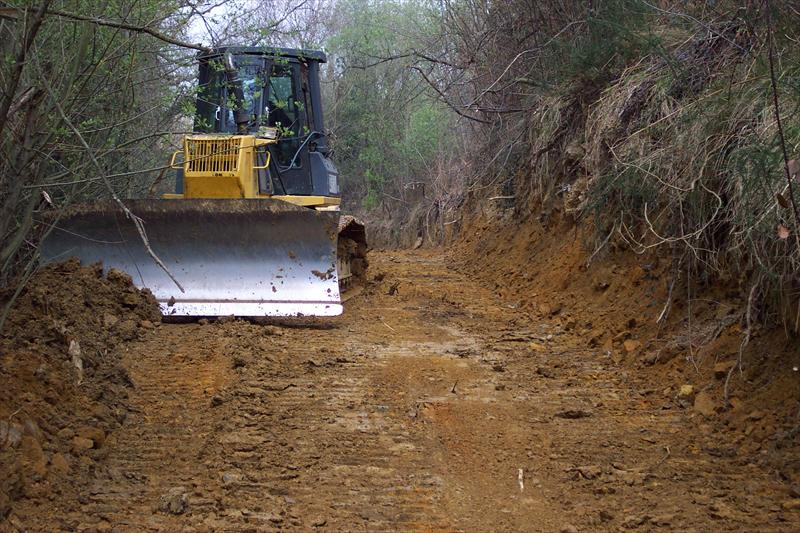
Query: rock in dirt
[96,435]
[318,522]
[791,505]
[704,404]
[10,435]
[634,521]
[631,346]
[59,464]
[720,511]
[573,414]
[109,320]
[33,455]
[569,528]
[686,392]
[81,445]
[175,501]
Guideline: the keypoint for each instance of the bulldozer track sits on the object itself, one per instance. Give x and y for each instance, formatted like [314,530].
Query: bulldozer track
[434,408]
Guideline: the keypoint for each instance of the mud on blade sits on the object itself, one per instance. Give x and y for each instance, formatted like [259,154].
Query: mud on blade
[232,257]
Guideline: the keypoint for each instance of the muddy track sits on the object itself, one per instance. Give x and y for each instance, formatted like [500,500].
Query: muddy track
[434,408]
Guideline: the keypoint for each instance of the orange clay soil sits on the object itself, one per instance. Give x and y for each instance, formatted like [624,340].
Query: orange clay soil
[452,395]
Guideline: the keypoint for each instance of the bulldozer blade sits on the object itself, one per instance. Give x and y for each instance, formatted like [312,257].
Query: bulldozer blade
[238,257]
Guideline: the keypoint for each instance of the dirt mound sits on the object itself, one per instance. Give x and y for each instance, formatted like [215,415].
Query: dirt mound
[63,389]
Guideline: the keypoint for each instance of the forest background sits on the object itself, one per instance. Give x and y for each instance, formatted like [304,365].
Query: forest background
[667,127]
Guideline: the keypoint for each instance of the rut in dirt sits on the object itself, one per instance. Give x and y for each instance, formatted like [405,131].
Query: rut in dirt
[430,405]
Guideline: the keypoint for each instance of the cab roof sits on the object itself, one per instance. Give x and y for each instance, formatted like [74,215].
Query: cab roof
[268,51]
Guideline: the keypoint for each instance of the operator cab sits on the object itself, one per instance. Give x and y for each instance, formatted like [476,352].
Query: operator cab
[258,91]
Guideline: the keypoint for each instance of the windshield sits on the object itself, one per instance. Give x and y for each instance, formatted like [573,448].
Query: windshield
[215,97]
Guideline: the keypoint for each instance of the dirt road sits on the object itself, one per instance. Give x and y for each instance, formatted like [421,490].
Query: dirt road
[430,405]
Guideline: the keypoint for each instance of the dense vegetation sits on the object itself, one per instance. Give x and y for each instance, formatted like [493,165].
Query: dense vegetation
[656,121]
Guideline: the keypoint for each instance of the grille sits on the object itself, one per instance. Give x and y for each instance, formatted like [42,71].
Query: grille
[213,155]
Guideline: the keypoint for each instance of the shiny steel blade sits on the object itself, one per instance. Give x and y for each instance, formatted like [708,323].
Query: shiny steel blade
[233,257]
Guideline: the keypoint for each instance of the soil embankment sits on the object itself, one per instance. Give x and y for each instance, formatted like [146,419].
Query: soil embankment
[63,389]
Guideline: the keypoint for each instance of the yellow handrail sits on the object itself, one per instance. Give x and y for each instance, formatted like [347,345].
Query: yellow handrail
[269,156]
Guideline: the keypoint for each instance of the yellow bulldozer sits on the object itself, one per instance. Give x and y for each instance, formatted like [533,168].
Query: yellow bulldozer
[253,227]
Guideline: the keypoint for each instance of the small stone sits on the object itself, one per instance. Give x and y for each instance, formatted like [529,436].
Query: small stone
[720,511]
[569,528]
[203,321]
[704,404]
[13,434]
[109,320]
[651,359]
[31,428]
[231,478]
[59,464]
[318,522]
[791,505]
[146,324]
[606,516]
[573,414]
[217,400]
[33,455]
[590,472]
[632,521]
[686,392]
[66,433]
[96,435]
[663,520]
[81,444]
[631,346]
[175,501]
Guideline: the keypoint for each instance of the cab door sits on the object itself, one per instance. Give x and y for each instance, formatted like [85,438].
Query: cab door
[285,104]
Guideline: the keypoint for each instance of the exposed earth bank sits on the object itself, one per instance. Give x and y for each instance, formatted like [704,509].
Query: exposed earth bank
[440,401]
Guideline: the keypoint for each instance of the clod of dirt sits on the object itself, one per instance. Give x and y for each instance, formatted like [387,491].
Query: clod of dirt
[631,346]
[573,414]
[96,435]
[175,501]
[704,404]
[81,445]
[318,522]
[722,368]
[791,505]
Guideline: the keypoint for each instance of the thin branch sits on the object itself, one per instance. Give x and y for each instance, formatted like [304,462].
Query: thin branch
[446,101]
[776,103]
[130,215]
[13,12]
